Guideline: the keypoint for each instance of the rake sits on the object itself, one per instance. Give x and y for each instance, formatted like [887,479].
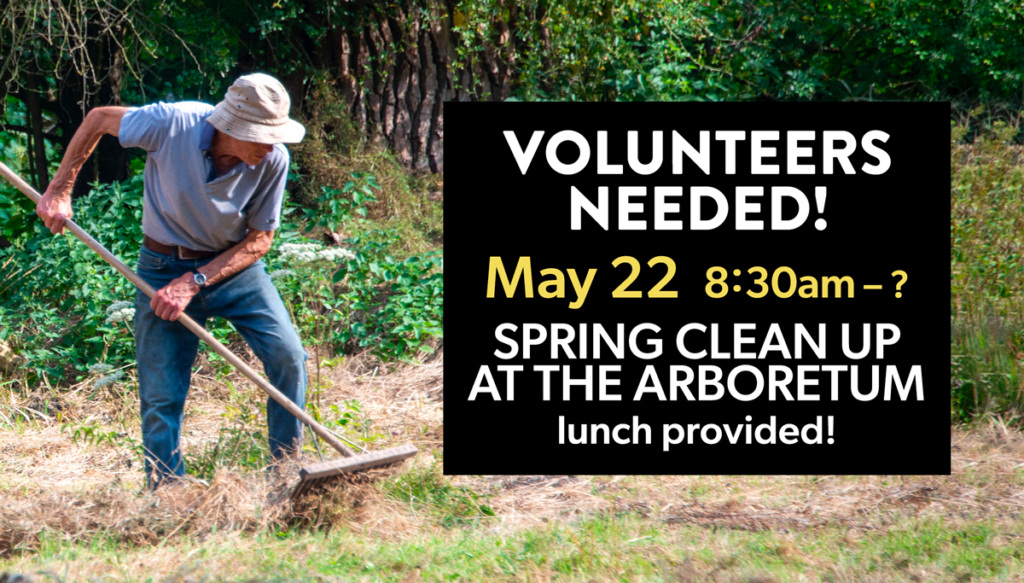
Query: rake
[311,476]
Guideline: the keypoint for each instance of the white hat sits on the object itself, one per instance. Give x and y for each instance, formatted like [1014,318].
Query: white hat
[255,109]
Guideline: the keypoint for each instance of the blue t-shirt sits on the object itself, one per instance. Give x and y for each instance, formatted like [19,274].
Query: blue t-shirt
[185,203]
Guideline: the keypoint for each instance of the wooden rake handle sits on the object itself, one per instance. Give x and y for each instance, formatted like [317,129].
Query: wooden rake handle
[189,323]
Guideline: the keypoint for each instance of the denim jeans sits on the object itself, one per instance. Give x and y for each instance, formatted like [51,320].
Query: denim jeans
[166,351]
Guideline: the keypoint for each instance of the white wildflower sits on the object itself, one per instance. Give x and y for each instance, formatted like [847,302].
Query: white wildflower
[296,248]
[100,368]
[298,253]
[335,254]
[281,273]
[118,306]
[108,380]
[124,315]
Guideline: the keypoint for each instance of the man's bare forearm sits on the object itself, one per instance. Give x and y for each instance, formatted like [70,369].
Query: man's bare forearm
[245,253]
[98,123]
[171,300]
[55,206]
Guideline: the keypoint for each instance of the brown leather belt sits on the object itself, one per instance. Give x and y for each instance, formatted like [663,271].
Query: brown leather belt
[182,252]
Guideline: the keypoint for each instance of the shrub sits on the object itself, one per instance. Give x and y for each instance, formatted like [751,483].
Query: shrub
[54,302]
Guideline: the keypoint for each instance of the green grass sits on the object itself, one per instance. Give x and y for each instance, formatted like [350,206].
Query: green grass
[605,547]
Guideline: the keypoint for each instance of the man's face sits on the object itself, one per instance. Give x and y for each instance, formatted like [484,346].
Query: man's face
[249,152]
[252,153]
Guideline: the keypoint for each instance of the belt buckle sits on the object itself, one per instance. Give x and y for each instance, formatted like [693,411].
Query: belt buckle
[180,254]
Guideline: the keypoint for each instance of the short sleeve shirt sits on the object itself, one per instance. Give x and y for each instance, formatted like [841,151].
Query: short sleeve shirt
[185,202]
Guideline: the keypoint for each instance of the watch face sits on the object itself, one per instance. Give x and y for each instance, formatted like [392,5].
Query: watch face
[200,279]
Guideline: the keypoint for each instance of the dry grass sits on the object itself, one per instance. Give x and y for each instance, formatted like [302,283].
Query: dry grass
[49,483]
[987,483]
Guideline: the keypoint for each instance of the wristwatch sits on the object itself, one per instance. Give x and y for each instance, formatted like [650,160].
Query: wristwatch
[200,279]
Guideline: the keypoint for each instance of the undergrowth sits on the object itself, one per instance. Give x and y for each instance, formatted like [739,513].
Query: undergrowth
[334,149]
[987,274]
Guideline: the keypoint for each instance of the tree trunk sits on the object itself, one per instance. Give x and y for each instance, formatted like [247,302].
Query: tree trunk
[3,100]
[396,68]
[70,114]
[9,360]
[35,120]
[111,158]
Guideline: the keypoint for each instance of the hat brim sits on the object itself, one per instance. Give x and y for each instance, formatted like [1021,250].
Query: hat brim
[290,132]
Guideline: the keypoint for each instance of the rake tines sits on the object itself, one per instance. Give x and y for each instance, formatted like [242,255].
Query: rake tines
[315,475]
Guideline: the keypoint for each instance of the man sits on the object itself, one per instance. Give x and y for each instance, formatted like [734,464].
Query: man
[213,187]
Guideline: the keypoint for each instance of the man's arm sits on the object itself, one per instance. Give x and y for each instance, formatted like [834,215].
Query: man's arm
[170,302]
[55,206]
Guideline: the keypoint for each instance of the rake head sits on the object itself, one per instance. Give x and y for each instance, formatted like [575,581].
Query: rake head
[318,474]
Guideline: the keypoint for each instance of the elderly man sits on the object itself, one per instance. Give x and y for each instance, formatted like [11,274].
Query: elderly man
[214,183]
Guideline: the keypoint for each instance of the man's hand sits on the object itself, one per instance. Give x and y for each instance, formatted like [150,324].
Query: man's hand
[171,301]
[54,208]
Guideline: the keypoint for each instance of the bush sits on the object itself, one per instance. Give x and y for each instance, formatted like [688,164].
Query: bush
[56,291]
[362,296]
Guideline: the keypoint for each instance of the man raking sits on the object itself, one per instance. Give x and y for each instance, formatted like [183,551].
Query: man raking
[213,188]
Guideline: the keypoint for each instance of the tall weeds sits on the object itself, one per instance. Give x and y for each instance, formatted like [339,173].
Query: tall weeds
[987,273]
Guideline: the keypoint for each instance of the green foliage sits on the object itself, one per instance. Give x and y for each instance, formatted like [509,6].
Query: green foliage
[362,296]
[350,418]
[401,300]
[332,209]
[987,273]
[606,547]
[966,549]
[182,50]
[864,49]
[53,304]
[739,50]
[335,148]
[582,50]
[587,50]
[55,291]
[91,433]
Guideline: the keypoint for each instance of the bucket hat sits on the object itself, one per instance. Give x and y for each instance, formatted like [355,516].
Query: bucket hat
[255,109]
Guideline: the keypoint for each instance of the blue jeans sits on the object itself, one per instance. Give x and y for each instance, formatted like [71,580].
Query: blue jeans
[166,351]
